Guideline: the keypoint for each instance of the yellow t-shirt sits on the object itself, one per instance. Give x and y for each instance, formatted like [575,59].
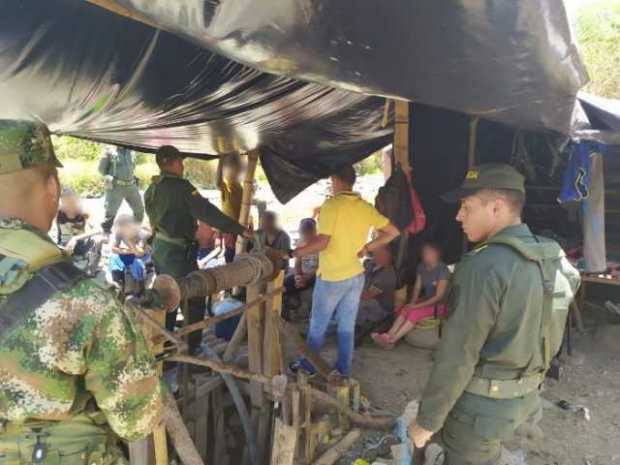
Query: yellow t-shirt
[347,219]
[232,194]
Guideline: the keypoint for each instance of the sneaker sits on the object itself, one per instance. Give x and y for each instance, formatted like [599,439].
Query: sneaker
[298,367]
[336,378]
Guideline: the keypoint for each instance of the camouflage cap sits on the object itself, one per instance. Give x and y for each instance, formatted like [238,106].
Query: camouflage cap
[24,144]
[487,176]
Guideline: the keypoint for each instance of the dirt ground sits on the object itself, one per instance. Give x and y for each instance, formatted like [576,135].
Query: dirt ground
[590,377]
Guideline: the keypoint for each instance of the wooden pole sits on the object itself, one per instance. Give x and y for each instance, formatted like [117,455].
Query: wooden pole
[471,148]
[255,323]
[401,134]
[291,333]
[272,346]
[113,7]
[248,193]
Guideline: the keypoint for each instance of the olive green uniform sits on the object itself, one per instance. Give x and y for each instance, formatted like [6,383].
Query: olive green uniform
[174,206]
[490,364]
[123,185]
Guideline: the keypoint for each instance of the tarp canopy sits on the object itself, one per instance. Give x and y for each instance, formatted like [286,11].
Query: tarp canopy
[597,119]
[94,74]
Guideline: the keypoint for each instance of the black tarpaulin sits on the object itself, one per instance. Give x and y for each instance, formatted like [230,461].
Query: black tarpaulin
[94,74]
[509,61]
[90,73]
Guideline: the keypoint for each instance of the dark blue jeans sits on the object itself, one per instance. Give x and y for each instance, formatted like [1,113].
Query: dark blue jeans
[343,298]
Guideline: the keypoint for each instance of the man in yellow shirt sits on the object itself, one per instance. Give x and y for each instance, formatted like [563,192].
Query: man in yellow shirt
[231,191]
[345,223]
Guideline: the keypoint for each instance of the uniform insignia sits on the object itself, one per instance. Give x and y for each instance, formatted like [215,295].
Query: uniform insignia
[472,174]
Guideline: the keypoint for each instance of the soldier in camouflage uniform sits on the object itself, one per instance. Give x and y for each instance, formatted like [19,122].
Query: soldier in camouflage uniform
[507,307]
[75,371]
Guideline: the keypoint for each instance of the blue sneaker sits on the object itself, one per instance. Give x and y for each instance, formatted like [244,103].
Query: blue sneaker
[298,366]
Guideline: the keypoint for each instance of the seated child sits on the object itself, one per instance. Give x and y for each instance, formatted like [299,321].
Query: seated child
[432,278]
[305,268]
[72,223]
[129,252]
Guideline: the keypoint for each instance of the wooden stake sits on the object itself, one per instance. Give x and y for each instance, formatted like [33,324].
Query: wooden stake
[179,435]
[332,455]
[344,401]
[284,444]
[237,339]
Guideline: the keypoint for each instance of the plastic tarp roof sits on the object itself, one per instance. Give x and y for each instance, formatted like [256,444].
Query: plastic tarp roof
[308,99]
[599,119]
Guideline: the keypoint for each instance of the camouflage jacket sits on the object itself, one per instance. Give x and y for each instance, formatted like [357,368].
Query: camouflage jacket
[78,352]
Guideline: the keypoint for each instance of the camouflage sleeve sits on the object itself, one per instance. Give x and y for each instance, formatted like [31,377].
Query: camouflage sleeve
[121,375]
[473,305]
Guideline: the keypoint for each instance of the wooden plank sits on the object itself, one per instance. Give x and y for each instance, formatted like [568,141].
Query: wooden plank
[221,456]
[255,324]
[284,444]
[202,425]
[343,394]
[309,449]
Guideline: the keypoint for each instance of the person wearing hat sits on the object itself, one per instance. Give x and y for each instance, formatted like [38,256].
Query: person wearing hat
[76,374]
[117,166]
[502,327]
[174,207]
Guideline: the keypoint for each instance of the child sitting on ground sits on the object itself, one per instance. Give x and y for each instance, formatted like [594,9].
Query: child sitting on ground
[432,278]
[305,269]
[75,234]
[129,251]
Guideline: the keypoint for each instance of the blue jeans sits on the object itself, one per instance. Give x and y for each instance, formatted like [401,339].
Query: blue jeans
[343,298]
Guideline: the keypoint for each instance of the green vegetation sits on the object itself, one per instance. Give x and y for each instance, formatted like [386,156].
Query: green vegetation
[598,35]
[80,159]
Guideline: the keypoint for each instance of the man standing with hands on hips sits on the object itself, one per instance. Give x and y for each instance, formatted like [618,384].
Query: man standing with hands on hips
[507,307]
[344,226]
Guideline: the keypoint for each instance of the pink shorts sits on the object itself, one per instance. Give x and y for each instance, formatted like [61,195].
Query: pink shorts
[419,314]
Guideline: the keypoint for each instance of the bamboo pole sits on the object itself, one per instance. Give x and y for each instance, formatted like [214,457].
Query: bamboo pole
[246,201]
[113,7]
[401,134]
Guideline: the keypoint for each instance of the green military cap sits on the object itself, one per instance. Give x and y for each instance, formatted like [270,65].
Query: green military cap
[166,154]
[487,176]
[24,144]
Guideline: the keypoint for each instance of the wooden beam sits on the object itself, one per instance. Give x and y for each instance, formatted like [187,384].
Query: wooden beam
[471,148]
[291,333]
[331,456]
[273,308]
[115,8]
[255,317]
[246,200]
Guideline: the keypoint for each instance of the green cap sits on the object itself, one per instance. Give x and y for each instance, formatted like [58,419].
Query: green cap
[487,176]
[166,154]
[24,144]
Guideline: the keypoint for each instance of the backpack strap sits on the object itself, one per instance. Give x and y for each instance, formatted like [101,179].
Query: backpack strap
[43,284]
[545,254]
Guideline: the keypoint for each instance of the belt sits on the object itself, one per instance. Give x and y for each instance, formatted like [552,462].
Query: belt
[121,182]
[505,388]
[172,240]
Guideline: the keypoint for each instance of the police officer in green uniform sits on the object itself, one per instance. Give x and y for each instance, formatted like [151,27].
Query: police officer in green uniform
[75,371]
[117,167]
[507,307]
[174,207]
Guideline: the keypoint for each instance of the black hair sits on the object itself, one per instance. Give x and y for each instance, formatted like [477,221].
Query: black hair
[432,243]
[346,175]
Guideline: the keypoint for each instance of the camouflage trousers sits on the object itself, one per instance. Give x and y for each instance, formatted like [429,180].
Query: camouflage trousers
[476,426]
[78,441]
[114,198]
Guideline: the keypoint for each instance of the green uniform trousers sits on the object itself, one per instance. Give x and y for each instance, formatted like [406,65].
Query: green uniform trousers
[476,426]
[178,261]
[77,441]
[114,198]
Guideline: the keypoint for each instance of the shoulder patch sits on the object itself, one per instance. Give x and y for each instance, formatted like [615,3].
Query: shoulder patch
[472,174]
